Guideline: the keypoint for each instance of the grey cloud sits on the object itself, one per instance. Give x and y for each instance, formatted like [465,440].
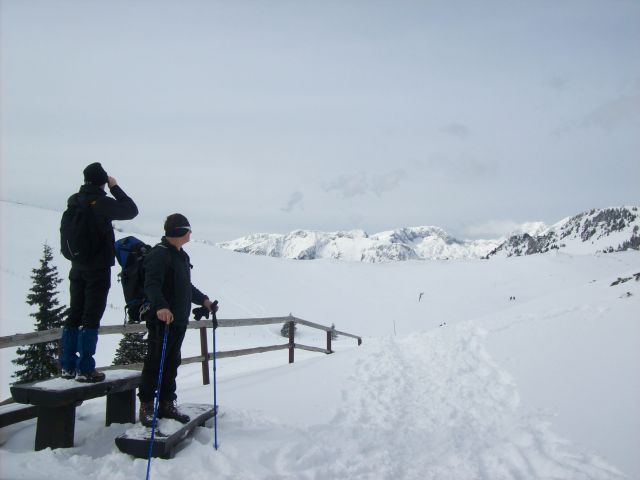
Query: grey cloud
[294,201]
[456,130]
[608,116]
[387,182]
[558,83]
[349,185]
[362,183]
[461,166]
[614,113]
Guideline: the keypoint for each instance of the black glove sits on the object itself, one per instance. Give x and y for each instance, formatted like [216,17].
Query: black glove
[200,312]
[203,311]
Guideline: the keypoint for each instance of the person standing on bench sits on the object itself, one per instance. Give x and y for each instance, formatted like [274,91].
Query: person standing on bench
[90,281]
[169,291]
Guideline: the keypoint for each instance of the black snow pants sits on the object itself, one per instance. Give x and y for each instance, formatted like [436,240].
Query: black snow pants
[172,360]
[88,291]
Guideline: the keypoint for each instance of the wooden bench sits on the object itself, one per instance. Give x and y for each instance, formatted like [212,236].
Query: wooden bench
[16,412]
[169,433]
[57,399]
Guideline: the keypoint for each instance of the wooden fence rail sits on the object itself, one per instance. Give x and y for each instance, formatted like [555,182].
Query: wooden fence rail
[205,356]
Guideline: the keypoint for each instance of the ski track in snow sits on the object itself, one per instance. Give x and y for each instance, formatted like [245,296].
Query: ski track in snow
[433,406]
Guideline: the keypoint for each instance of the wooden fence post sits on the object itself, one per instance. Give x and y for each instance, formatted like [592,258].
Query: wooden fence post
[329,342]
[292,344]
[204,350]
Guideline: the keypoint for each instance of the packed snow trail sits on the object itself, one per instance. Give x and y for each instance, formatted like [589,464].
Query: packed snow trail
[435,406]
[430,405]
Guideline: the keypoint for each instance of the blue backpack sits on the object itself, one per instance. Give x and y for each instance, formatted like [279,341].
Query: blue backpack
[130,253]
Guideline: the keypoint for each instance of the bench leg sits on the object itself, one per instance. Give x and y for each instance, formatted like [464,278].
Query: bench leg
[121,407]
[55,427]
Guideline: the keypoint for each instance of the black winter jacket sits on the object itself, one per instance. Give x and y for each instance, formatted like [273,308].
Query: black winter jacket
[106,209]
[167,282]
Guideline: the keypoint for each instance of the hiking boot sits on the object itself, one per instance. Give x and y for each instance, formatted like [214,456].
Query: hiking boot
[68,374]
[146,413]
[91,377]
[169,409]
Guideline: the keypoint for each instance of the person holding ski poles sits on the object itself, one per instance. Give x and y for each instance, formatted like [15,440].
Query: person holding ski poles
[170,293]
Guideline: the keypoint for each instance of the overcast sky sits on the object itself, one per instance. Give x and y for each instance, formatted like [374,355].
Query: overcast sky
[269,116]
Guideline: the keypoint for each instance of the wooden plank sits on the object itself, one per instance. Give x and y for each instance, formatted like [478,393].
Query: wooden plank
[16,412]
[292,345]
[311,324]
[55,427]
[30,338]
[200,358]
[250,351]
[121,329]
[326,329]
[131,366]
[22,339]
[169,433]
[235,353]
[344,334]
[312,349]
[193,324]
[187,361]
[239,322]
[59,392]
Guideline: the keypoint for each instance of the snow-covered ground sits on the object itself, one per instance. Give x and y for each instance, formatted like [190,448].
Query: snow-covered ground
[463,384]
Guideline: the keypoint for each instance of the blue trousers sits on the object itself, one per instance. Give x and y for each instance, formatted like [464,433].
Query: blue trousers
[89,290]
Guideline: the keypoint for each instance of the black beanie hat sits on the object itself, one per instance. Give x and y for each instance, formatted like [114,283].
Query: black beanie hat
[176,225]
[95,174]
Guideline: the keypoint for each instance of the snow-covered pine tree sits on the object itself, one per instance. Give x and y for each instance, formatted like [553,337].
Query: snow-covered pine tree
[131,349]
[40,360]
[284,331]
[334,334]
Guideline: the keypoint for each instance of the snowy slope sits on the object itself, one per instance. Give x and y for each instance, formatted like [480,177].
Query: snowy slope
[473,385]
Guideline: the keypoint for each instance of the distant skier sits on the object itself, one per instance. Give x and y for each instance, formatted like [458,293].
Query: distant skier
[420,296]
[90,278]
[169,290]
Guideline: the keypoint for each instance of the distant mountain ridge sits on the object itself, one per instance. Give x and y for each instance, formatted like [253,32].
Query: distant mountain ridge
[411,243]
[605,230]
[597,230]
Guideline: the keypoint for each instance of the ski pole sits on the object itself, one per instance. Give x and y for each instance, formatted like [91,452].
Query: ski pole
[157,397]
[215,389]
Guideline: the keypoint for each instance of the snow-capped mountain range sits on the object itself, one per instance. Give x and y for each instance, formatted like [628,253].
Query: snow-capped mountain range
[597,230]
[605,230]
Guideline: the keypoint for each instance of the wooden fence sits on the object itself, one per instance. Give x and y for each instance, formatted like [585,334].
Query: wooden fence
[22,339]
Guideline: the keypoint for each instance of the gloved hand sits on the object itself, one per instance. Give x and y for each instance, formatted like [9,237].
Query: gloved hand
[200,312]
[203,311]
